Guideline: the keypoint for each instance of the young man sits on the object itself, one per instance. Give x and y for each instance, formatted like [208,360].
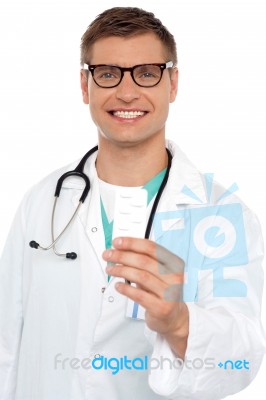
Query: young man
[130,322]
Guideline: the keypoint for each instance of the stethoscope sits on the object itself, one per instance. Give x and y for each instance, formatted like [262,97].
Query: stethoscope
[79,172]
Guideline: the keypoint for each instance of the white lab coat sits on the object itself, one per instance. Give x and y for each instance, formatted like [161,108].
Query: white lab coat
[52,306]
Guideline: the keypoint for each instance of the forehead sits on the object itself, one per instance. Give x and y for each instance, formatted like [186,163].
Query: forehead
[128,51]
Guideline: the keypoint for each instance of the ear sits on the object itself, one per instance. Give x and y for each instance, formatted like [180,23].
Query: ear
[84,86]
[174,84]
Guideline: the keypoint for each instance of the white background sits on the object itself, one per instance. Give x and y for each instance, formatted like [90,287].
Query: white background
[218,119]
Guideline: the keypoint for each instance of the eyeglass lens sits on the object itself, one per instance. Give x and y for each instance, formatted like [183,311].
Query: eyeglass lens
[144,75]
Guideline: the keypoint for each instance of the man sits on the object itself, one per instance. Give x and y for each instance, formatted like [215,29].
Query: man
[67,331]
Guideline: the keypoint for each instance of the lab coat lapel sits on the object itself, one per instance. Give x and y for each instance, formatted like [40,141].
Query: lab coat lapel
[185,187]
[93,224]
[90,213]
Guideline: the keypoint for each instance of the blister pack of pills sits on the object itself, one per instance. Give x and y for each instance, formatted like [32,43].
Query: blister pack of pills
[130,217]
[130,213]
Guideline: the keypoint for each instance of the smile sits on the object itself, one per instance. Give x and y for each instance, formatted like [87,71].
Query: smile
[128,114]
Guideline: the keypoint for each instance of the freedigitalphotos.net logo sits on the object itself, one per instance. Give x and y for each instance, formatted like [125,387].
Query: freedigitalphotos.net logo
[116,365]
[208,237]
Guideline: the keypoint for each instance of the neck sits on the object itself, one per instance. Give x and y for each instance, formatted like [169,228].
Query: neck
[130,166]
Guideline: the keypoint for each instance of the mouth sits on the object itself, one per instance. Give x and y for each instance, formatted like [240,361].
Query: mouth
[130,114]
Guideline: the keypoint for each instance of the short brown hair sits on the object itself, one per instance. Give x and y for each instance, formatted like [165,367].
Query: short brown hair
[126,21]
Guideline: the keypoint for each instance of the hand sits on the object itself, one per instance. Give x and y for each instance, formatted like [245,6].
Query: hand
[159,275]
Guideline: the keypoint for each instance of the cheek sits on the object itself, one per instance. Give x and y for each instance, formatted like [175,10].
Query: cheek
[97,108]
[94,112]
[94,103]
[163,106]
[99,97]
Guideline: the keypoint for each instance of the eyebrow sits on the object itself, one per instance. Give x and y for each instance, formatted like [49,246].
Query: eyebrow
[117,65]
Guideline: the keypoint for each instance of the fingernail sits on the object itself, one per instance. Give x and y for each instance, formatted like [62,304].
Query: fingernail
[107,254]
[118,241]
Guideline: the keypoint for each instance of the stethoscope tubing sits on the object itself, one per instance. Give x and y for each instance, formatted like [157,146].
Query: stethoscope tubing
[79,172]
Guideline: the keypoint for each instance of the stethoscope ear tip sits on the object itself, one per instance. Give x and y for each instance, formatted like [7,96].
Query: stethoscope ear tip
[34,244]
[72,255]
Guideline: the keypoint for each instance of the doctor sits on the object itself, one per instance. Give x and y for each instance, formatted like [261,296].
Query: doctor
[66,331]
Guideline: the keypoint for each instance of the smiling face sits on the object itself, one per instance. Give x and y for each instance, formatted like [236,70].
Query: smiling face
[128,114]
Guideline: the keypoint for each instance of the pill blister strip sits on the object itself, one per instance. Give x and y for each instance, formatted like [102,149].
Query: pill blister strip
[130,213]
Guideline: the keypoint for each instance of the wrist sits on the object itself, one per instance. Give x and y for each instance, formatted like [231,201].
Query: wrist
[177,336]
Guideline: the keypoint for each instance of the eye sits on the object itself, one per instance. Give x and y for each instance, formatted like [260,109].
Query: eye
[147,75]
[106,73]
[147,72]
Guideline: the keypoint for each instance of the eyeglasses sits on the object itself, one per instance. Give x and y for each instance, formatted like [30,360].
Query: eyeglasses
[144,75]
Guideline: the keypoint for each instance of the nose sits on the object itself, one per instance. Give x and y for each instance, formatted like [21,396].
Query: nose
[127,90]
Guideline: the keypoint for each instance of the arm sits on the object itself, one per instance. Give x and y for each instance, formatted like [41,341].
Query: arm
[220,328]
[11,319]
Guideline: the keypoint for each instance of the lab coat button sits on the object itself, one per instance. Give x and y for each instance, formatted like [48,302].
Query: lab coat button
[110,299]
[94,229]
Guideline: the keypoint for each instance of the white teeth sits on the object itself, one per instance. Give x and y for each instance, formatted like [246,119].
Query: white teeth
[128,114]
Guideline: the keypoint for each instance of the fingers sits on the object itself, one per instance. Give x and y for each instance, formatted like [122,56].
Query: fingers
[149,301]
[170,270]
[169,262]
[131,259]
[169,288]
[143,246]
[155,307]
[136,267]
[144,279]
[154,269]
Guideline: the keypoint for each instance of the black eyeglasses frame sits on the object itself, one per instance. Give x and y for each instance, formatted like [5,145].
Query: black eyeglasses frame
[163,66]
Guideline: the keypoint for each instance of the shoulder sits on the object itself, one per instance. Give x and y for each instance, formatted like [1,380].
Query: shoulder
[193,183]
[39,193]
